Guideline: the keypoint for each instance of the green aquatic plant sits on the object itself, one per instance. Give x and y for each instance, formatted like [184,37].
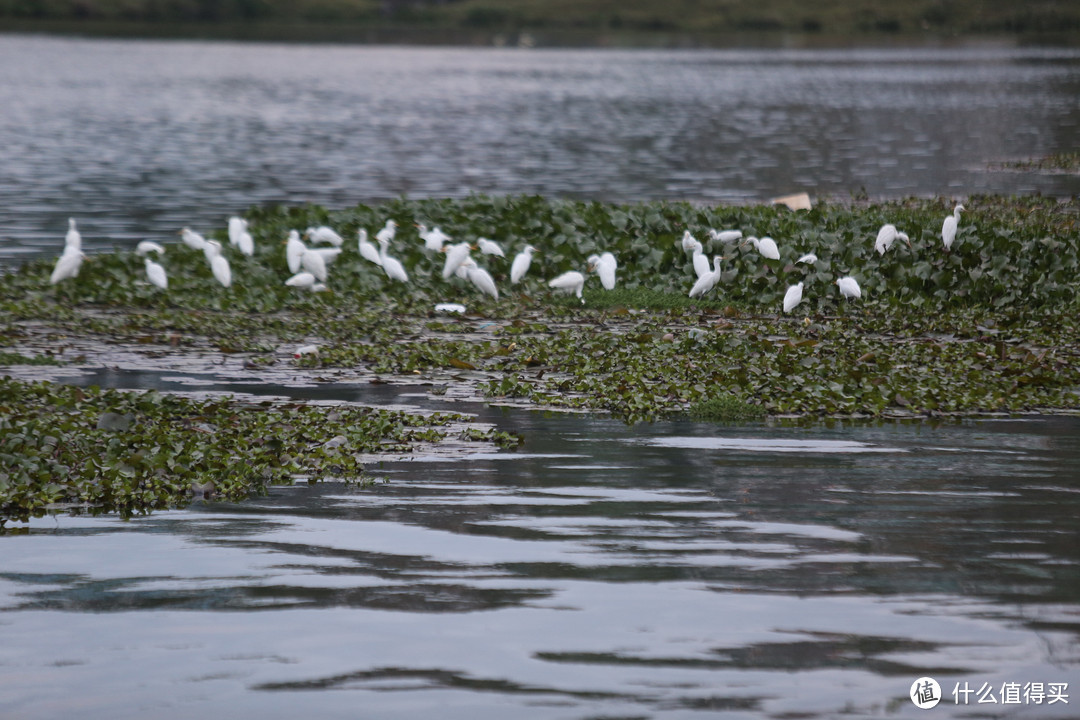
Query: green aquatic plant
[988,326]
[105,450]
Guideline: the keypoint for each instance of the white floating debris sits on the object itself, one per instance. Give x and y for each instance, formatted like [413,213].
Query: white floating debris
[450,308]
[306,350]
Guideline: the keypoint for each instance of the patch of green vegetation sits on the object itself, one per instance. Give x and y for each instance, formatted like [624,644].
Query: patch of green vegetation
[1059,162]
[112,451]
[991,325]
[725,408]
[12,358]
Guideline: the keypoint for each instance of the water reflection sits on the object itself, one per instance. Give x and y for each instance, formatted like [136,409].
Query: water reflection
[139,138]
[602,571]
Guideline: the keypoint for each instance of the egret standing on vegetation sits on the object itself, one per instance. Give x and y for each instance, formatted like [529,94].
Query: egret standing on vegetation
[707,281]
[886,236]
[314,262]
[948,228]
[604,266]
[387,233]
[324,234]
[73,240]
[192,239]
[368,250]
[433,239]
[67,266]
[571,282]
[521,264]
[725,236]
[490,247]
[156,274]
[808,258]
[391,266]
[766,247]
[148,246]
[792,297]
[219,265]
[455,256]
[701,263]
[849,288]
[480,277]
[294,251]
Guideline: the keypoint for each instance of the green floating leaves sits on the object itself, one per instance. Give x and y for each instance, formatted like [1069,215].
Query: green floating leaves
[107,450]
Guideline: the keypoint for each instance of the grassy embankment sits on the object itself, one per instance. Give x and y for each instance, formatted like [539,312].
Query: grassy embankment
[991,326]
[550,22]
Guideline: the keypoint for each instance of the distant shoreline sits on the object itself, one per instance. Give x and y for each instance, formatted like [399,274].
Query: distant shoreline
[383,34]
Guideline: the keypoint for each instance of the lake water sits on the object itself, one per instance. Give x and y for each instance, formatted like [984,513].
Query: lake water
[672,570]
[139,138]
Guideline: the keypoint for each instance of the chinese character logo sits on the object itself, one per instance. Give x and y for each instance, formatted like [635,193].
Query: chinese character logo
[925,693]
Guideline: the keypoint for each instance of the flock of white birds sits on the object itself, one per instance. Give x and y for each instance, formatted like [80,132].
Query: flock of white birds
[309,264]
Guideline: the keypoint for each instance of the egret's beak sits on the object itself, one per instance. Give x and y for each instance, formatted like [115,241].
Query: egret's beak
[474,247]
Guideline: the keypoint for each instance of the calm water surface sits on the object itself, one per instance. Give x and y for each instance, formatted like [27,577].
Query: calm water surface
[138,138]
[672,570]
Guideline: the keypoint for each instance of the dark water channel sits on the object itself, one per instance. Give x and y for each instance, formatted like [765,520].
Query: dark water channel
[139,138]
[672,570]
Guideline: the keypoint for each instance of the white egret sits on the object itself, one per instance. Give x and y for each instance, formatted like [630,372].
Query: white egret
[156,274]
[324,234]
[391,266]
[571,282]
[455,256]
[237,225]
[73,239]
[218,264]
[849,287]
[303,280]
[521,264]
[433,239]
[701,262]
[367,249]
[329,254]
[792,297]
[726,236]
[306,350]
[67,266]
[387,233]
[707,281]
[688,241]
[148,246]
[948,228]
[192,239]
[481,278]
[246,243]
[314,262]
[294,251]
[604,266]
[886,236]
[766,247]
[490,247]
[808,258]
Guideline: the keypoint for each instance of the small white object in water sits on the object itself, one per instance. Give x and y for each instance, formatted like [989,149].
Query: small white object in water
[450,308]
[306,350]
